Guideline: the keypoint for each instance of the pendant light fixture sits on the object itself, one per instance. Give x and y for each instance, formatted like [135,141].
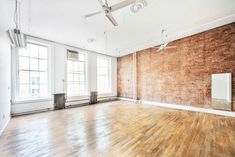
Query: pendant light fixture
[18,39]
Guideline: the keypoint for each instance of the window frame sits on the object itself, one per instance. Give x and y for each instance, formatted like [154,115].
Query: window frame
[15,73]
[109,75]
[75,97]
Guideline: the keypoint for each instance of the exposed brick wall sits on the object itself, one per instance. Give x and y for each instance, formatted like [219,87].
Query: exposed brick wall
[182,75]
[125,76]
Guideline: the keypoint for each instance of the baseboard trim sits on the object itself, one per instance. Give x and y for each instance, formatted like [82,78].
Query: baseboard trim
[86,101]
[127,99]
[183,107]
[32,112]
[4,127]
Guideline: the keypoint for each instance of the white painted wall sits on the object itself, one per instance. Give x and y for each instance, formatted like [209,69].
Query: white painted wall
[59,68]
[5,79]
[59,78]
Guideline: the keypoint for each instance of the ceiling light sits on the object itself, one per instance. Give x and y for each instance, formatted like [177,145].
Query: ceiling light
[18,39]
[138,5]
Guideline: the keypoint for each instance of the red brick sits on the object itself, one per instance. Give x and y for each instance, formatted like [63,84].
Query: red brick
[181,75]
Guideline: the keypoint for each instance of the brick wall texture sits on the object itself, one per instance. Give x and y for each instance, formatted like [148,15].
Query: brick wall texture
[125,76]
[181,75]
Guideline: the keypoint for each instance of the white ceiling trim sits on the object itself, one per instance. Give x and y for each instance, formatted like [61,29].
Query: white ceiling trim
[198,29]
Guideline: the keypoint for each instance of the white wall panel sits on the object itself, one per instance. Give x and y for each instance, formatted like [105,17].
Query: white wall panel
[5,79]
[59,68]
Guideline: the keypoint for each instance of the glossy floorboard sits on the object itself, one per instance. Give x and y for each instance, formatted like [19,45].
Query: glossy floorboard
[119,129]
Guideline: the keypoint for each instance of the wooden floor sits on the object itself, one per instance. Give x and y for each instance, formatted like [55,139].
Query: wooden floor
[119,129]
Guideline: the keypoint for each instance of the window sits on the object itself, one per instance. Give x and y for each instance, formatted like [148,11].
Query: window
[76,74]
[103,75]
[32,68]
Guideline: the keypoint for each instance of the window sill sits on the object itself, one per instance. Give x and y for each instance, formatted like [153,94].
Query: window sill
[22,101]
[105,95]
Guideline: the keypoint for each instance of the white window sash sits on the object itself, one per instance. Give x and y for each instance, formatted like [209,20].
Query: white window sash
[85,76]
[15,71]
[108,75]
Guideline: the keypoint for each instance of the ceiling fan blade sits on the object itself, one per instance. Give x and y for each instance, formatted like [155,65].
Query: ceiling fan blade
[121,4]
[93,14]
[111,19]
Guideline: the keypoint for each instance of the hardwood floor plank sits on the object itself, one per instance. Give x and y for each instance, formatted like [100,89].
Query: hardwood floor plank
[119,129]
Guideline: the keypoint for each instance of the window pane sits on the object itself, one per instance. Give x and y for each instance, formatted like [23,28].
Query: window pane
[106,64]
[70,77]
[75,66]
[103,84]
[82,78]
[43,90]
[102,71]
[81,57]
[43,52]
[102,79]
[24,77]
[76,77]
[75,88]
[101,63]
[81,87]
[33,50]
[33,64]
[33,71]
[43,65]
[24,90]
[81,66]
[34,78]
[43,77]
[24,63]
[34,84]
[24,52]
[70,89]
[103,75]
[34,92]
[70,66]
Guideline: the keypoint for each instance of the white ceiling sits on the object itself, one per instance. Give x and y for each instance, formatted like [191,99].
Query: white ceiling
[62,21]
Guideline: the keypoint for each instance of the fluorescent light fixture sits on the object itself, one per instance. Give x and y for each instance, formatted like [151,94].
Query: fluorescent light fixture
[18,39]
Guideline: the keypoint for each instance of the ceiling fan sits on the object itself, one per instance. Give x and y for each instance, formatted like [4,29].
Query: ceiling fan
[109,9]
[163,43]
